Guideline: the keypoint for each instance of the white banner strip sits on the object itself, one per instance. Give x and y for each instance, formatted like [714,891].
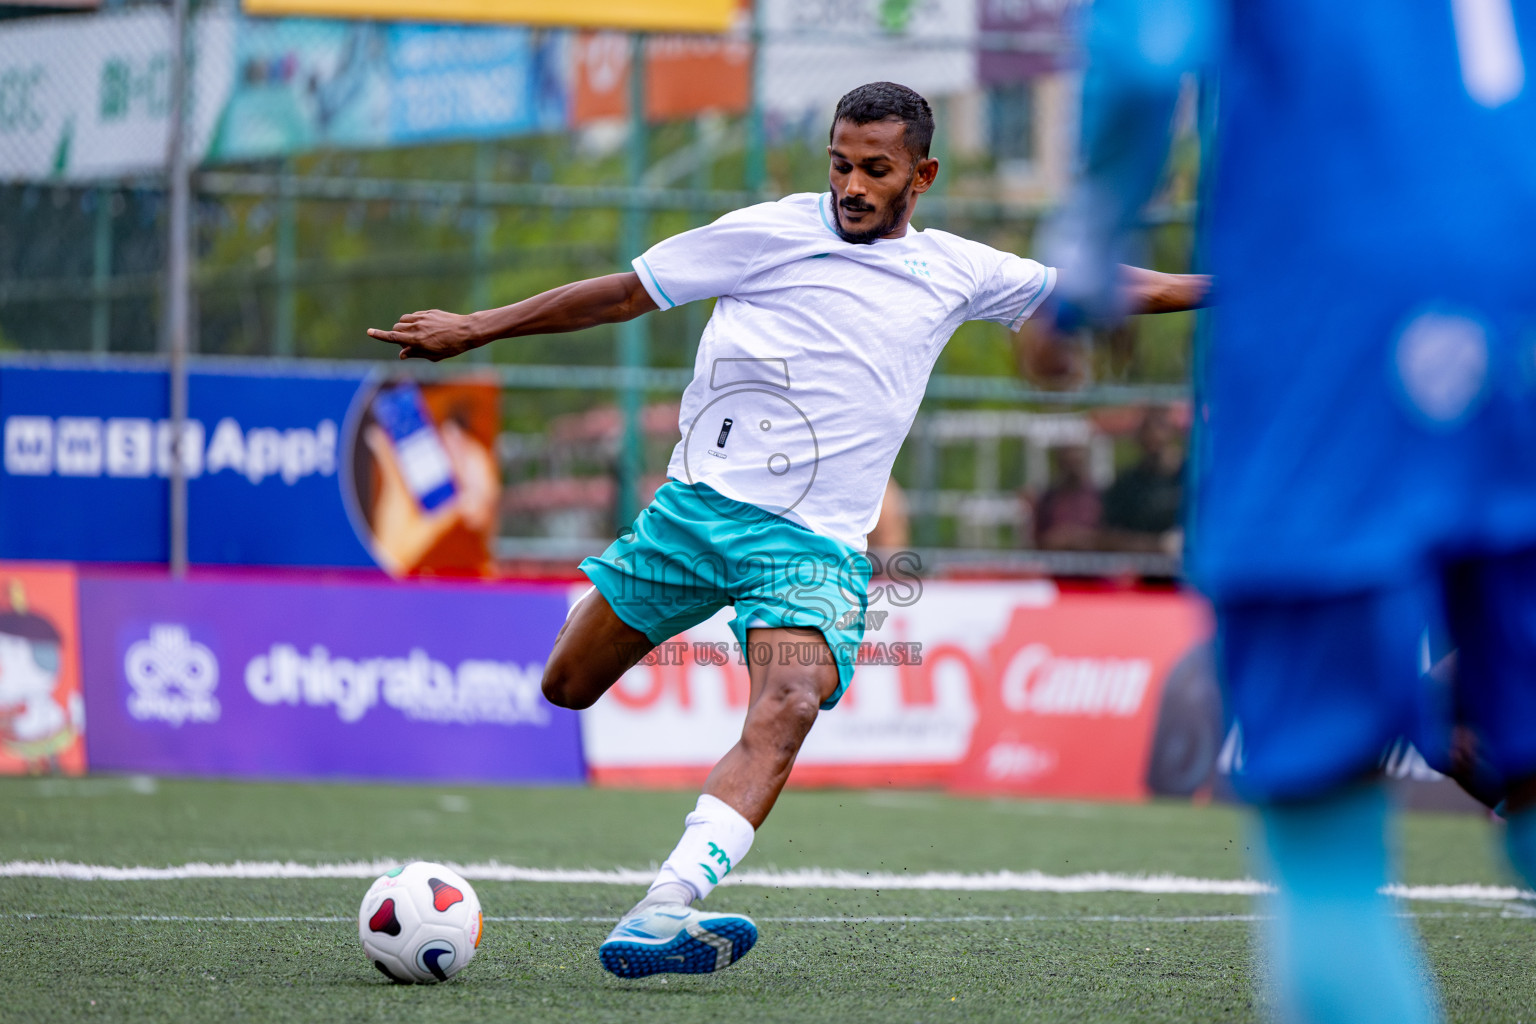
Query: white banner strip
[806,878]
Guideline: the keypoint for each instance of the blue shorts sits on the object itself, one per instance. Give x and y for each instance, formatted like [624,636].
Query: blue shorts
[693,551]
[1320,688]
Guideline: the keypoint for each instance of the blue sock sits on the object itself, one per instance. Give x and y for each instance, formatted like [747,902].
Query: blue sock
[1339,952]
[1520,844]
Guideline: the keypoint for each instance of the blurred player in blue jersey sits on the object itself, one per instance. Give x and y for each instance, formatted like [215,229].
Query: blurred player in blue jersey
[1365,450]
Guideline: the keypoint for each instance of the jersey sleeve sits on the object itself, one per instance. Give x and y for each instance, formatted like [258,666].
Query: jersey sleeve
[1013,291]
[707,261]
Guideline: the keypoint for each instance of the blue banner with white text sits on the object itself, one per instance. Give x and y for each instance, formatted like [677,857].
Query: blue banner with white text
[88,457]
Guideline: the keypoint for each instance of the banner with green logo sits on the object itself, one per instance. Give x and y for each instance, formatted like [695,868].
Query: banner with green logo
[816,50]
[90,97]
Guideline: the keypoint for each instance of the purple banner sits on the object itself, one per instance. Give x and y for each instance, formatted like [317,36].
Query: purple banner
[288,679]
[1025,38]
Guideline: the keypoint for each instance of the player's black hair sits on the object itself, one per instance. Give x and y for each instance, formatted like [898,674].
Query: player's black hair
[887,101]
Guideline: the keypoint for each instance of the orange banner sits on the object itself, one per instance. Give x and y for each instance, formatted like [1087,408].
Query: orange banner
[42,713]
[684,76]
[646,16]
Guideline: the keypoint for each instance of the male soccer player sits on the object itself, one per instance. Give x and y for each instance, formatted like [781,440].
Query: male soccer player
[1366,418]
[831,314]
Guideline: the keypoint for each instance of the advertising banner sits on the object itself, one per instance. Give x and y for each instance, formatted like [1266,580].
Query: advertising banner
[684,75]
[42,714]
[308,680]
[83,98]
[996,687]
[1071,692]
[296,468]
[300,84]
[816,51]
[1025,38]
[647,16]
[90,97]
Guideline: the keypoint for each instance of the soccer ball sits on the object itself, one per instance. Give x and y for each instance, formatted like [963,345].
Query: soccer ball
[420,923]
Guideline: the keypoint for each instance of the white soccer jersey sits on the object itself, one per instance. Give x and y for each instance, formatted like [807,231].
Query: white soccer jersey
[816,358]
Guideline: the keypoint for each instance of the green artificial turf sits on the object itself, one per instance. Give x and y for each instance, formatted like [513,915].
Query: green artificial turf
[94,951]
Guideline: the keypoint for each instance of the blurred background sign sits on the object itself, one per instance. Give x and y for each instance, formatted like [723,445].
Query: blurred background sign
[42,712]
[306,679]
[1026,38]
[684,76]
[325,469]
[87,459]
[815,51]
[86,97]
[298,85]
[982,687]
[650,16]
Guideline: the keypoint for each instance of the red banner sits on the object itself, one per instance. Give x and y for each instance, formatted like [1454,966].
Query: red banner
[684,76]
[983,687]
[1068,695]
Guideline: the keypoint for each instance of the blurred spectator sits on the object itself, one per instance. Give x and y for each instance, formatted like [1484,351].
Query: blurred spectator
[1069,515]
[1142,508]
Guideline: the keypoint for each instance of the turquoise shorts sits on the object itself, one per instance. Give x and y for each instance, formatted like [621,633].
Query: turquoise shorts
[693,551]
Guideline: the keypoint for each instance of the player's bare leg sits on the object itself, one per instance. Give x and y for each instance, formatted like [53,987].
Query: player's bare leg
[592,650]
[663,932]
[785,698]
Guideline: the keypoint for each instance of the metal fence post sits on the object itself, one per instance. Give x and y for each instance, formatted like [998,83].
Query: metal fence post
[177,284]
[757,142]
[633,335]
[285,245]
[480,254]
[696,314]
[101,274]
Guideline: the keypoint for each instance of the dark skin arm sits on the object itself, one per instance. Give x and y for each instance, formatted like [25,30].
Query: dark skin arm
[1148,291]
[1045,358]
[436,334]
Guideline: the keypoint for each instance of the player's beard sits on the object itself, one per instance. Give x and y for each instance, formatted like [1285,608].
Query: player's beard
[888,222]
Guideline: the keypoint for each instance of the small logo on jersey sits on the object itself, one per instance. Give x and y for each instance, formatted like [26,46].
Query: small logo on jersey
[917,268]
[1442,361]
[725,432]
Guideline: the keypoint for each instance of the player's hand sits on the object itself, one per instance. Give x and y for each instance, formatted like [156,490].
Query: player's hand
[429,334]
[1147,291]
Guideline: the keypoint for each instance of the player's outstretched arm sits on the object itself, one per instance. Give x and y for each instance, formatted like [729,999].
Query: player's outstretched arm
[436,334]
[1051,358]
[1148,291]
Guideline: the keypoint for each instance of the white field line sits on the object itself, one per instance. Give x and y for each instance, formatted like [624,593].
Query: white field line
[521,919]
[1488,914]
[806,878]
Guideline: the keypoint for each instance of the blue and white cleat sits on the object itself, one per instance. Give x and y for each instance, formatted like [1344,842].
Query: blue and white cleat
[674,939]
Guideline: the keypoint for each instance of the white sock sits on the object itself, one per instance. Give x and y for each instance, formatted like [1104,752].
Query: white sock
[713,843]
